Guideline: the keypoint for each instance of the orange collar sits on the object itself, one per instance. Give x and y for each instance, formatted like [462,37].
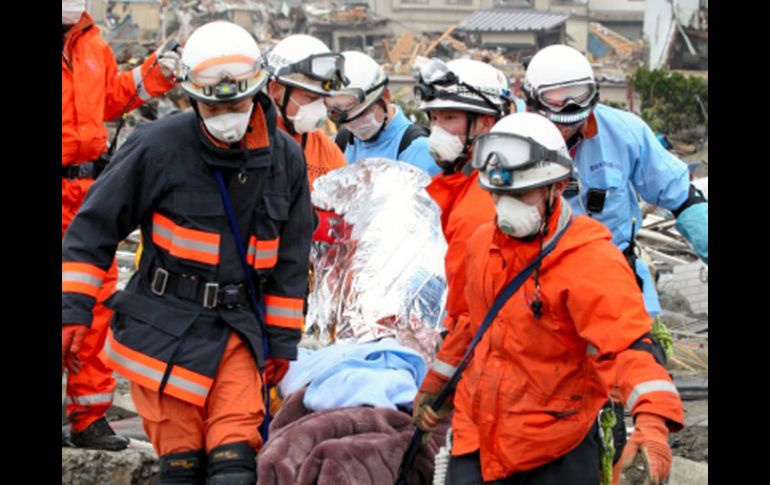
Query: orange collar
[589,128]
[282,125]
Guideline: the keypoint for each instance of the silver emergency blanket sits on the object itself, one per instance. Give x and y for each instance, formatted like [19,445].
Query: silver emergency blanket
[384,274]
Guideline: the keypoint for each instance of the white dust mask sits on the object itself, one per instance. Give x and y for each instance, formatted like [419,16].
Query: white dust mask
[366,126]
[444,146]
[516,218]
[229,127]
[309,117]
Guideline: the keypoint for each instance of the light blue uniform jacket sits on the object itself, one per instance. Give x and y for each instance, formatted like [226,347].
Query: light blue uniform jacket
[625,159]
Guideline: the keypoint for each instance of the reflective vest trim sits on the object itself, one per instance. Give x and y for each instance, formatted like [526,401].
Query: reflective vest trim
[137,367]
[81,278]
[185,243]
[139,85]
[262,254]
[91,399]
[284,312]
[188,386]
[647,387]
[443,368]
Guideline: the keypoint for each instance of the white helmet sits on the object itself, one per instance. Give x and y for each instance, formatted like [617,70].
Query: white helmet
[523,151]
[465,85]
[302,61]
[368,82]
[559,84]
[221,63]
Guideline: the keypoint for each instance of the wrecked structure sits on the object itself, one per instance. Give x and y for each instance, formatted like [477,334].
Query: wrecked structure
[683,280]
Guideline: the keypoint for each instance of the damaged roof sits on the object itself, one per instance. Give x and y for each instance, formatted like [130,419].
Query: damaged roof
[511,20]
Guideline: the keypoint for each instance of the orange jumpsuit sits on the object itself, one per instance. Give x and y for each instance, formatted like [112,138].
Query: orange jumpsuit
[535,386]
[464,207]
[94,91]
[321,153]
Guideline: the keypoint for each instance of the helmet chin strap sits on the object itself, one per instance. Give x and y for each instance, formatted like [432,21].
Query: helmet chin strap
[282,108]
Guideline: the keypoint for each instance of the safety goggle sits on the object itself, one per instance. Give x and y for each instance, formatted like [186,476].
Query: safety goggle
[511,152]
[341,106]
[224,78]
[328,68]
[436,75]
[234,68]
[557,98]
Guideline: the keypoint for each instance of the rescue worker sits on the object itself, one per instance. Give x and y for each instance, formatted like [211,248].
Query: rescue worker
[372,126]
[304,72]
[94,91]
[463,98]
[184,332]
[617,159]
[526,406]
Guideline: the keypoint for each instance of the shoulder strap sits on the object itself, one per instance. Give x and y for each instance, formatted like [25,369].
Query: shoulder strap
[414,131]
[254,297]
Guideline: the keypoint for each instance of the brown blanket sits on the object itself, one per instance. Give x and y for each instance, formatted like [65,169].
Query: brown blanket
[346,446]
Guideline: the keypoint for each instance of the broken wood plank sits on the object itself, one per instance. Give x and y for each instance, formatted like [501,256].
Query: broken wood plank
[413,55]
[682,364]
[665,258]
[688,334]
[386,48]
[404,45]
[442,37]
[457,45]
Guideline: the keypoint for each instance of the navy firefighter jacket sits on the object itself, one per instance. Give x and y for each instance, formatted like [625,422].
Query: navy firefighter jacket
[172,321]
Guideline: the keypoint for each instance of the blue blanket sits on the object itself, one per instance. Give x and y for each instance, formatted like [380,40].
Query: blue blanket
[380,374]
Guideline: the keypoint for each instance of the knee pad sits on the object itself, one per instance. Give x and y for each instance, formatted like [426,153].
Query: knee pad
[232,464]
[185,467]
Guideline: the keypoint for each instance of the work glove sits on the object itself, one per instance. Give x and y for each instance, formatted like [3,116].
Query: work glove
[650,440]
[275,369]
[71,340]
[168,61]
[693,224]
[425,417]
[330,226]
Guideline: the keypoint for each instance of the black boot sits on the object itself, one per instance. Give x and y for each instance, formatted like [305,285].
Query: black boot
[185,467]
[98,436]
[232,464]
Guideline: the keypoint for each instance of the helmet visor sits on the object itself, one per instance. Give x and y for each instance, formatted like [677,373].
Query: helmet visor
[437,72]
[328,68]
[235,68]
[558,98]
[348,102]
[511,152]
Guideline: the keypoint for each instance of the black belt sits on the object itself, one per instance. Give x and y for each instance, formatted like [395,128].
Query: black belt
[86,170]
[209,294]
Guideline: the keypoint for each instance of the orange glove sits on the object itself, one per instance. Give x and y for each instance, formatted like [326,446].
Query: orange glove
[275,369]
[650,438]
[423,416]
[72,335]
